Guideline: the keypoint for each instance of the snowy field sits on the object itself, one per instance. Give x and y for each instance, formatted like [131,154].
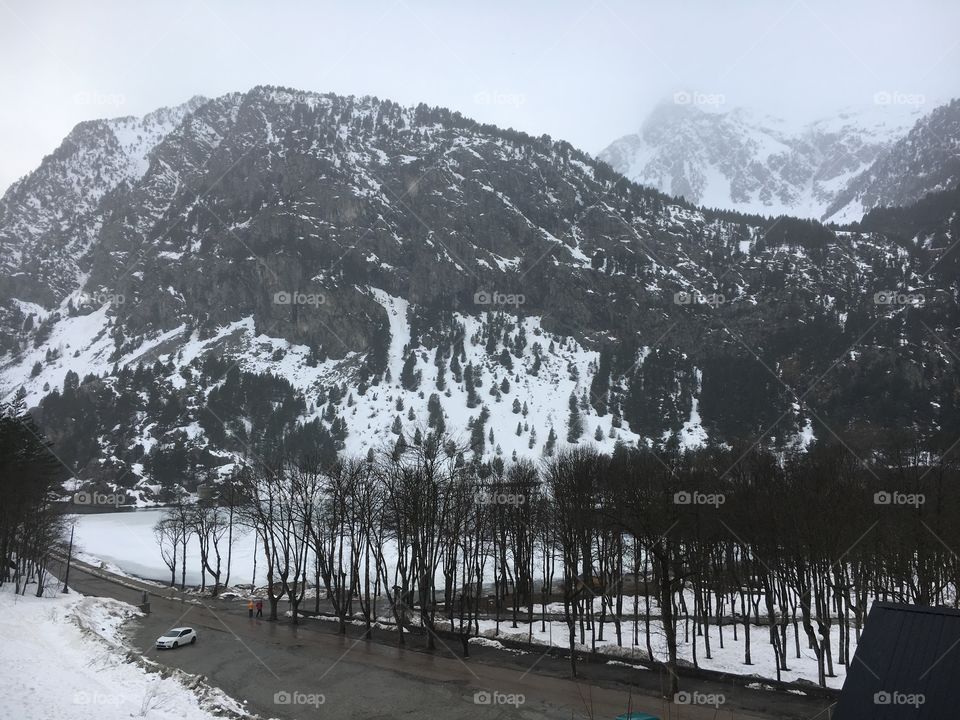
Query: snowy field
[728,659]
[125,542]
[71,665]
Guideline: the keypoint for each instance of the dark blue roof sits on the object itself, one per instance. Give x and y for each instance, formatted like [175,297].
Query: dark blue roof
[907,665]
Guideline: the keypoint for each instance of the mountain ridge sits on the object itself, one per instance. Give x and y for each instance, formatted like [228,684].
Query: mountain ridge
[736,159]
[328,268]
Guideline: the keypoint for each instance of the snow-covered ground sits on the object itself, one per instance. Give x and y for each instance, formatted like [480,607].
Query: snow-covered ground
[727,659]
[64,658]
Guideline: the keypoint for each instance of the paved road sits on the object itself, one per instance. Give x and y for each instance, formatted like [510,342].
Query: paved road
[255,660]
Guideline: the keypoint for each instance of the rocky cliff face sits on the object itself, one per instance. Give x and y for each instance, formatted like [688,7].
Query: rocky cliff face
[49,218]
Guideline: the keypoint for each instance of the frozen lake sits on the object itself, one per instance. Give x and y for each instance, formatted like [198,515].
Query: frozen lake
[125,539]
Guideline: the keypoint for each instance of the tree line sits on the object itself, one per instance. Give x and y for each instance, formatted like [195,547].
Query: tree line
[734,539]
[30,476]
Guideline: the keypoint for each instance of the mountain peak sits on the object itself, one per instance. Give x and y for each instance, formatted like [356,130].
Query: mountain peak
[735,158]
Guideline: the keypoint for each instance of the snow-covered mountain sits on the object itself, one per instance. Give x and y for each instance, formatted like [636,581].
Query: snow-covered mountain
[341,273]
[926,160]
[48,218]
[736,159]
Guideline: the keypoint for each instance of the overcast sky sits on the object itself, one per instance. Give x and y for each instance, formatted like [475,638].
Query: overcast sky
[587,72]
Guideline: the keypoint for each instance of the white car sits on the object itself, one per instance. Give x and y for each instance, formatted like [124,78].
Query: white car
[175,637]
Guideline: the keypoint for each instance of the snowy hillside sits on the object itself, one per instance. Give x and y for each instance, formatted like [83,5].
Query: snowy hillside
[524,402]
[72,663]
[346,274]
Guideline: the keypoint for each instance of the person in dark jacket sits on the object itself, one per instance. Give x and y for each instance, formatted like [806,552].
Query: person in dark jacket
[259,607]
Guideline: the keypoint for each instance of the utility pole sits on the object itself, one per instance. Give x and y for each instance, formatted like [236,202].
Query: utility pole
[66,575]
[230,482]
[253,581]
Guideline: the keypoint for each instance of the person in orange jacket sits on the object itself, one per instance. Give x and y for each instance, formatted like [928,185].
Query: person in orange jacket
[250,607]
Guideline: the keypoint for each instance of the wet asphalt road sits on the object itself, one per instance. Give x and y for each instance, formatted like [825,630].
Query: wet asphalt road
[326,675]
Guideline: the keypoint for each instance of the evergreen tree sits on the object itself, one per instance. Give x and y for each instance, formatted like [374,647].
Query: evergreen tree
[435,413]
[477,440]
[439,359]
[399,447]
[535,369]
[521,342]
[409,375]
[600,384]
[455,368]
[491,346]
[472,399]
[575,424]
[551,443]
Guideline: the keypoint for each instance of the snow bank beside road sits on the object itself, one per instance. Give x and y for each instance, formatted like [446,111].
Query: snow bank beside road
[64,657]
